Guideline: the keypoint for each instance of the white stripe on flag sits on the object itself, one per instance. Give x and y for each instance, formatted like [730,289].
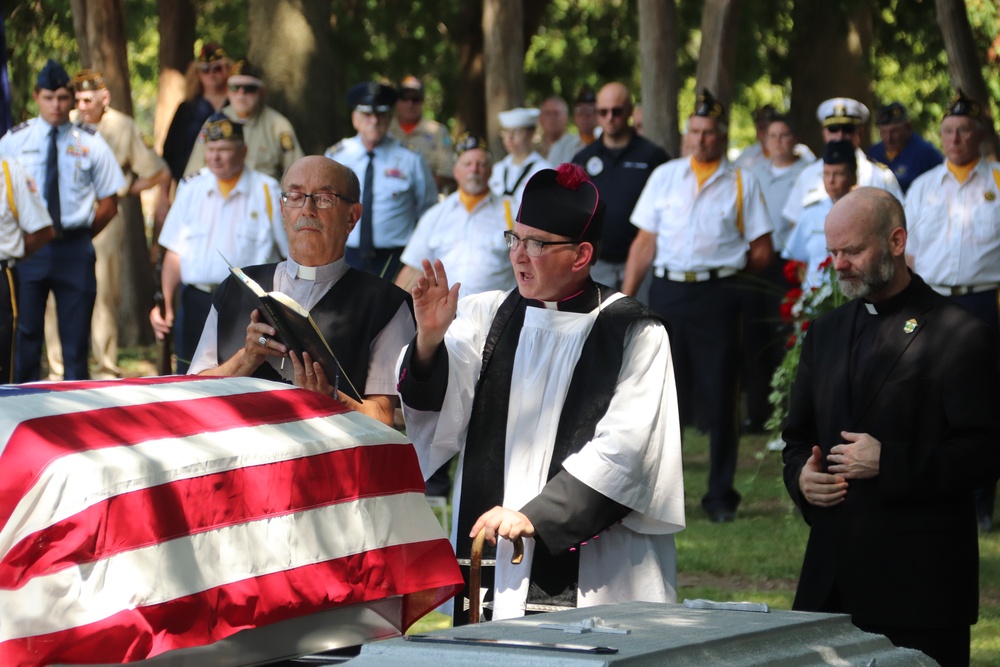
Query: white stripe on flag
[77,481]
[59,402]
[85,594]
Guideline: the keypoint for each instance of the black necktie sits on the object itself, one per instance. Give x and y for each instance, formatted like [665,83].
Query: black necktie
[52,181]
[367,246]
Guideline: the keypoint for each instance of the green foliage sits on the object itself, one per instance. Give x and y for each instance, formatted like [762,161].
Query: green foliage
[37,31]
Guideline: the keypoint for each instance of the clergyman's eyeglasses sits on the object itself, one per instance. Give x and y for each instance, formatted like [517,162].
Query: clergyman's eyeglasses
[320,199]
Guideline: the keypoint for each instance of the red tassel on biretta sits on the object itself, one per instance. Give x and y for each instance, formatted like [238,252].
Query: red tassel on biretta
[571,176]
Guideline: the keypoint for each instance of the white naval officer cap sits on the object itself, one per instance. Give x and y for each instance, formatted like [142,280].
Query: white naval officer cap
[842,111]
[513,119]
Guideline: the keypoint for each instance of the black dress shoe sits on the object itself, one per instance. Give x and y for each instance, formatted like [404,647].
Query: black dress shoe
[721,514]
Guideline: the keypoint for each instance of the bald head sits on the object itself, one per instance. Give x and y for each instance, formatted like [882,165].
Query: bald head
[614,108]
[336,176]
[866,236]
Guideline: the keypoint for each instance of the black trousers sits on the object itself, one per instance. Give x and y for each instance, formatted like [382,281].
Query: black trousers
[705,323]
[192,311]
[8,321]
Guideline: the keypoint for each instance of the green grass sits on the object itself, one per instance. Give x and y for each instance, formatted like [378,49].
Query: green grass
[758,556]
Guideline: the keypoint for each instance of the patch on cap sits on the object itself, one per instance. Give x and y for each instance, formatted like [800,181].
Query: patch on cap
[707,106]
[961,105]
[891,114]
[468,142]
[587,95]
[211,52]
[88,79]
[244,73]
[220,127]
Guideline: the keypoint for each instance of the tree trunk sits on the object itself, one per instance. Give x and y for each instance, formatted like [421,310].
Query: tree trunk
[964,66]
[503,49]
[103,47]
[177,20]
[290,40]
[717,56]
[840,42]
[658,55]
[471,115]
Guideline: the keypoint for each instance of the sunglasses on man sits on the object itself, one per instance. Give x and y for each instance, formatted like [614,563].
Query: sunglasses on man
[248,88]
[213,68]
[617,112]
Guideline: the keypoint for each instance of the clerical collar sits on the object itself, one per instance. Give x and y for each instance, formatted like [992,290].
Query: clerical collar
[584,301]
[319,274]
[893,304]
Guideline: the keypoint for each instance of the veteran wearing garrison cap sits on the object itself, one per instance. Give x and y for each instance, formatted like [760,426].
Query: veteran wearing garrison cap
[143,169]
[421,134]
[907,154]
[270,139]
[511,174]
[225,212]
[702,221]
[79,179]
[465,231]
[953,220]
[550,377]
[397,186]
[842,118]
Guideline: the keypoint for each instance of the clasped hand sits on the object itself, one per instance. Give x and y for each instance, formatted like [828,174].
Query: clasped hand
[858,458]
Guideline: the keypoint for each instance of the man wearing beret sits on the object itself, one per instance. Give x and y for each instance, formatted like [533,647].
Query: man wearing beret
[807,242]
[907,154]
[79,180]
[269,137]
[701,222]
[143,169]
[421,134]
[397,186]
[511,174]
[842,118]
[953,215]
[225,212]
[538,390]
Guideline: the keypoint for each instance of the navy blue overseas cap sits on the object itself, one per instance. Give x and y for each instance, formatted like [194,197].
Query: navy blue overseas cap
[221,127]
[52,76]
[371,97]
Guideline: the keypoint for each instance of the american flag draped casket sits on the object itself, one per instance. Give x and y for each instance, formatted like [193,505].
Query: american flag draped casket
[147,516]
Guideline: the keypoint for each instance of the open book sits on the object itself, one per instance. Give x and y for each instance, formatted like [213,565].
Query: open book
[296,330]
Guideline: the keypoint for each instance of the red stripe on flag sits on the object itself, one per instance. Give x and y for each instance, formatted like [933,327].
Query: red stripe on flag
[150,516]
[35,443]
[425,572]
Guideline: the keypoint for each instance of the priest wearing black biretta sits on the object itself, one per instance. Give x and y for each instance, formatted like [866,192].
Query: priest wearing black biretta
[559,398]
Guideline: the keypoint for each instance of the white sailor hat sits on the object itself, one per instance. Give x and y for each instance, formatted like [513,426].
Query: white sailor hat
[513,119]
[842,111]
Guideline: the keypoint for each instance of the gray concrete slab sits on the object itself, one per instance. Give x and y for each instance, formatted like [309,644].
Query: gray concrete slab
[660,634]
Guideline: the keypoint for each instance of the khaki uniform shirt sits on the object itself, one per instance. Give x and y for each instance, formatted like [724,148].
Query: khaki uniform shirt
[136,159]
[272,146]
[432,141]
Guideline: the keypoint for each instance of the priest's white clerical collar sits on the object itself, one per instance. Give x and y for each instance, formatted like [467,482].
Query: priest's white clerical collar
[327,272]
[870,307]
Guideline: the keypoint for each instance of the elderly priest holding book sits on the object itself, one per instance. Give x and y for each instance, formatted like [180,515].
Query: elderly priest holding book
[365,320]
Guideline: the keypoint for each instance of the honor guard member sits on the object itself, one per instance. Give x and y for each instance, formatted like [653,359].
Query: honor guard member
[465,231]
[842,118]
[366,320]
[953,225]
[619,163]
[423,135]
[907,154]
[25,226]
[559,399]
[79,181]
[270,138]
[143,169]
[701,221]
[807,242]
[397,186]
[511,174]
[226,212]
